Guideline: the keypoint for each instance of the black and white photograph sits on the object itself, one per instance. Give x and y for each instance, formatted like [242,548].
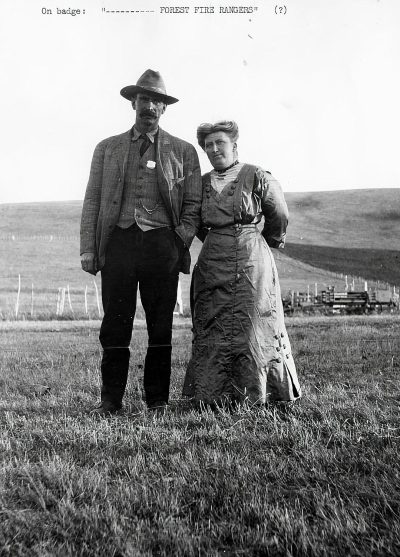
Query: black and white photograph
[200,278]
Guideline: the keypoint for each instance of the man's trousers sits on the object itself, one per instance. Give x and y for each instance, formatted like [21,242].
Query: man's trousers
[149,260]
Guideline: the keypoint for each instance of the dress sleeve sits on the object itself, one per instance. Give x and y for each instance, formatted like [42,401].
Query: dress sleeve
[203,230]
[274,208]
[189,218]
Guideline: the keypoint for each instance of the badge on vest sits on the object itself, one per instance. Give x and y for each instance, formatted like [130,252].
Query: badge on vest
[151,164]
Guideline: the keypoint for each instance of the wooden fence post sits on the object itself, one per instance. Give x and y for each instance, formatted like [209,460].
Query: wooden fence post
[179,302]
[86,304]
[69,300]
[32,301]
[62,302]
[97,297]
[58,301]
[18,294]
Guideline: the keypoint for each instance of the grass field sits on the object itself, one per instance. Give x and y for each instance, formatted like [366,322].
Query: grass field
[376,264]
[319,479]
[330,233]
[50,264]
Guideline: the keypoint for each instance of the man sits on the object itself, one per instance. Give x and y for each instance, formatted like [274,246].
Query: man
[140,214]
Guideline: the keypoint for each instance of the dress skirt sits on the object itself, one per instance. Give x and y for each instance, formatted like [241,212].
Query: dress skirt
[241,349]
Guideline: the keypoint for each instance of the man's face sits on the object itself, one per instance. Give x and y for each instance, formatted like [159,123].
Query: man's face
[220,149]
[148,111]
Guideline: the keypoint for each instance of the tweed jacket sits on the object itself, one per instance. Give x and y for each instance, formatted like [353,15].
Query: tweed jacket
[179,180]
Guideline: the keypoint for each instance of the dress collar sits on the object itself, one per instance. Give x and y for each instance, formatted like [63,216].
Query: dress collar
[223,170]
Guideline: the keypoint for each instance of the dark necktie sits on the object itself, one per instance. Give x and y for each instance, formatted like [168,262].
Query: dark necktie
[145,144]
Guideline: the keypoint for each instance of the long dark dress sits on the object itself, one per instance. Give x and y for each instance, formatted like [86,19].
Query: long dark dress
[241,349]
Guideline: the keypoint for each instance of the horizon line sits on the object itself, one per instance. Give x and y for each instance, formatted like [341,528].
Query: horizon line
[353,188]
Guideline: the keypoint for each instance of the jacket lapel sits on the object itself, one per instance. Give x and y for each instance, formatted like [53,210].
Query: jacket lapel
[122,152]
[164,148]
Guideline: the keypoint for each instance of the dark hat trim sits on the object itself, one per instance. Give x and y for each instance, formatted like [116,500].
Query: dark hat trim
[131,90]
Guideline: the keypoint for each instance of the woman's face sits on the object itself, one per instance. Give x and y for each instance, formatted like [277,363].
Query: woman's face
[220,149]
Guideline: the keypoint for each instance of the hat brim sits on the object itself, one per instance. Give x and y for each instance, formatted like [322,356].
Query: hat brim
[132,90]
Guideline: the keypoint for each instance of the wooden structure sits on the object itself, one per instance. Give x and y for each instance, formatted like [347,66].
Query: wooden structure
[348,301]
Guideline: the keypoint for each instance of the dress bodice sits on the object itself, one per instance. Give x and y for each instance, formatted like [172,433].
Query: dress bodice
[253,194]
[236,203]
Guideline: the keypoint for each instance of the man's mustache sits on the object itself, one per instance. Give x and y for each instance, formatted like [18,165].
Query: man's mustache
[148,113]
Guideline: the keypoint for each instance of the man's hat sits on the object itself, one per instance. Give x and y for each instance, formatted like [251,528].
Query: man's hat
[150,82]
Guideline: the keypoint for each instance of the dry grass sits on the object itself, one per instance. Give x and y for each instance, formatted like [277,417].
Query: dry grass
[320,478]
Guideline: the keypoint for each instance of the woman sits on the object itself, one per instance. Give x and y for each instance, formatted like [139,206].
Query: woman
[241,350]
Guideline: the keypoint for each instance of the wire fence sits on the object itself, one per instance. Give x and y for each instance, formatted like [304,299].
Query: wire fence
[386,345]
[42,237]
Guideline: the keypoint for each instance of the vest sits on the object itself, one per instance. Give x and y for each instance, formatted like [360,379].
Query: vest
[141,200]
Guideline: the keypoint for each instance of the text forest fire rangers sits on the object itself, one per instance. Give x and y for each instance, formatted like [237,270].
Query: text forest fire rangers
[207,9]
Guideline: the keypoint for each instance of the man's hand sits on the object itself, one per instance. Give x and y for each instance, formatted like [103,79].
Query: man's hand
[88,263]
[181,245]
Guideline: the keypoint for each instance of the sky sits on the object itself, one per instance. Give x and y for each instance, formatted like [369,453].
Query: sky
[313,84]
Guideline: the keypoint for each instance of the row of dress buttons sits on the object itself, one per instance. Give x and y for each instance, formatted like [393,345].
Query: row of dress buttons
[230,192]
[280,346]
[233,186]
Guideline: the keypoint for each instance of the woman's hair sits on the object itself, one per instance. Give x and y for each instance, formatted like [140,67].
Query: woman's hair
[228,126]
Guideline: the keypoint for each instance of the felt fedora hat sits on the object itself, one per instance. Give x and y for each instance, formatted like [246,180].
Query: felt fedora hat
[150,82]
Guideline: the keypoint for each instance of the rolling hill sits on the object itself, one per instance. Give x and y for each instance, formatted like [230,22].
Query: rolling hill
[354,232]
[368,218]
[331,233]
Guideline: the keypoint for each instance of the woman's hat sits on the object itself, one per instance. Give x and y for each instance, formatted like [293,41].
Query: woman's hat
[150,82]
